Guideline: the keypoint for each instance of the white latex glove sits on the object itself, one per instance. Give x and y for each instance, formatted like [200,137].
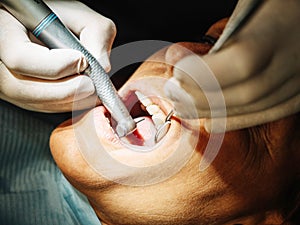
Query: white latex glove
[258,72]
[36,78]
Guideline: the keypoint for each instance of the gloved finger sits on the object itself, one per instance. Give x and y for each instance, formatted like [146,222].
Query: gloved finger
[22,56]
[27,90]
[271,44]
[207,102]
[192,77]
[254,89]
[55,106]
[185,103]
[95,31]
[260,92]
[249,51]
[281,94]
[276,112]
[196,78]
[213,100]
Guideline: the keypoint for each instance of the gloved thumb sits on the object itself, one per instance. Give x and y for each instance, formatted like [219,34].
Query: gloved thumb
[38,61]
[193,89]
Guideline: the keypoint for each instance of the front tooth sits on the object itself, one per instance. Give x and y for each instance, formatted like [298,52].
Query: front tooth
[143,99]
[152,109]
[158,119]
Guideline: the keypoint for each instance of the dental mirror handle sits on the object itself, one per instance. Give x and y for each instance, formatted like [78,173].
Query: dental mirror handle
[245,9]
[36,16]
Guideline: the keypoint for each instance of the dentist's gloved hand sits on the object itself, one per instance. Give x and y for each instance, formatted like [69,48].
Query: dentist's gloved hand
[256,74]
[36,78]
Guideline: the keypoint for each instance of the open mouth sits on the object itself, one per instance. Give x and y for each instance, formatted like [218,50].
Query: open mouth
[153,120]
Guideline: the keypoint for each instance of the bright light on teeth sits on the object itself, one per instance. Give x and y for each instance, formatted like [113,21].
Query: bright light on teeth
[157,115]
[160,121]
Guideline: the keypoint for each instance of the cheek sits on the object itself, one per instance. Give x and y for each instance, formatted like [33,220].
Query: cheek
[69,159]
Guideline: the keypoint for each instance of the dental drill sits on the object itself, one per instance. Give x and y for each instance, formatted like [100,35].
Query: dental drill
[37,17]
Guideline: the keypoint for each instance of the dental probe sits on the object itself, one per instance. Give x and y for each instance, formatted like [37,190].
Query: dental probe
[36,16]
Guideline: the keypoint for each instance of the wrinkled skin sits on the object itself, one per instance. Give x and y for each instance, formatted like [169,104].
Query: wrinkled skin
[247,183]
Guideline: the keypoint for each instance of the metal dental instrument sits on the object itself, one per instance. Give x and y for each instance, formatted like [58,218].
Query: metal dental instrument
[163,129]
[36,16]
[242,12]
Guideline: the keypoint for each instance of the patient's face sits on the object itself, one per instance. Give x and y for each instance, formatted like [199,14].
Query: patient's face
[162,183]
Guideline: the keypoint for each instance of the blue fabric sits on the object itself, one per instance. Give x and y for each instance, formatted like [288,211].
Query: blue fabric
[33,191]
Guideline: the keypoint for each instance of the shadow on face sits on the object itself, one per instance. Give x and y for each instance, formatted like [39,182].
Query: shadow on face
[251,180]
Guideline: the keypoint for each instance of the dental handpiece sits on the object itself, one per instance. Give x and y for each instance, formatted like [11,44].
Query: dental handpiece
[36,16]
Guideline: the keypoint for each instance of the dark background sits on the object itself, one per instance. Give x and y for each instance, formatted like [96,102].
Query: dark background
[162,20]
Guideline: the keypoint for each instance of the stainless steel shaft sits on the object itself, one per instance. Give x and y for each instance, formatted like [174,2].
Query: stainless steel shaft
[243,10]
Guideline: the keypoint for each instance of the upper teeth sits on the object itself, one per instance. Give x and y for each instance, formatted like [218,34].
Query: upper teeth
[158,119]
[158,116]
[152,109]
[143,99]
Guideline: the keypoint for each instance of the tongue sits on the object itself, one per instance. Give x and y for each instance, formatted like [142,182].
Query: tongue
[144,134]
